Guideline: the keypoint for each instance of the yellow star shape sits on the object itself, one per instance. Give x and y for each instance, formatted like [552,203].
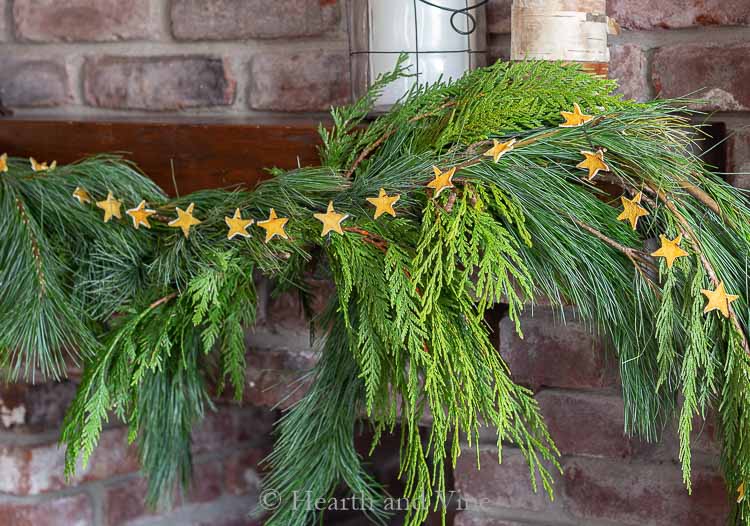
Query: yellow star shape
[331,220]
[442,180]
[740,492]
[384,203]
[274,226]
[140,215]
[499,149]
[4,162]
[574,118]
[670,249]
[718,300]
[41,167]
[184,219]
[111,207]
[593,162]
[237,225]
[632,210]
[82,195]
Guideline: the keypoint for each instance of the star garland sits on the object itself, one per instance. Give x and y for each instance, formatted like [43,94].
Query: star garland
[519,220]
[275,226]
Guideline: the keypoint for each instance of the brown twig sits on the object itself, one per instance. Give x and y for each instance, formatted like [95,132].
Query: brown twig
[163,300]
[368,237]
[374,146]
[636,257]
[702,196]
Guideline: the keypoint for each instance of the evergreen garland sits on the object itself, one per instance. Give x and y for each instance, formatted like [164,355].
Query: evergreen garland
[157,317]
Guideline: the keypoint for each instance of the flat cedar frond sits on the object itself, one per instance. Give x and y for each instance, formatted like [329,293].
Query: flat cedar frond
[158,317]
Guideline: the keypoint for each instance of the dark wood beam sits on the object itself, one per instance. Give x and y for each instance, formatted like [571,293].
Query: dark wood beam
[208,153]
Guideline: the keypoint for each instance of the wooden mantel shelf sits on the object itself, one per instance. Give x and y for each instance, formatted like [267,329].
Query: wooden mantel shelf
[205,153]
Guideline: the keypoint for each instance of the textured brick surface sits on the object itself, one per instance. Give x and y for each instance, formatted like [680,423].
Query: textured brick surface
[554,355]
[241,472]
[740,181]
[238,19]
[306,81]
[643,494]
[585,423]
[157,83]
[208,482]
[273,377]
[498,16]
[26,470]
[3,21]
[505,485]
[34,408]
[33,83]
[738,150]
[230,427]
[125,501]
[722,73]
[628,66]
[670,14]
[82,20]
[64,511]
[738,157]
[468,518]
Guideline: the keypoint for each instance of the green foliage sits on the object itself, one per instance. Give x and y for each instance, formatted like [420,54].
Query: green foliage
[316,436]
[159,319]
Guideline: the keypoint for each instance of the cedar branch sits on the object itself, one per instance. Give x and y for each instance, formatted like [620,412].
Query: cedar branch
[689,234]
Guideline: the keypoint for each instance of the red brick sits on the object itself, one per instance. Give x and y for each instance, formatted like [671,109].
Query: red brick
[126,501]
[33,83]
[215,432]
[723,71]
[650,494]
[273,377]
[207,483]
[82,20]
[75,510]
[738,150]
[467,518]
[585,423]
[230,427]
[506,485]
[672,14]
[628,66]
[498,16]
[240,19]
[704,443]
[241,472]
[43,405]
[740,181]
[738,157]
[554,355]
[305,81]
[113,456]
[30,470]
[159,83]
[3,23]
[228,511]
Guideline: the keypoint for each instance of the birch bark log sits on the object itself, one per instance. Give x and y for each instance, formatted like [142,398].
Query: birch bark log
[567,30]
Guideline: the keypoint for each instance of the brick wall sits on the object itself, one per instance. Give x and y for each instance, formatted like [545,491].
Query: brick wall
[254,57]
[217,57]
[227,447]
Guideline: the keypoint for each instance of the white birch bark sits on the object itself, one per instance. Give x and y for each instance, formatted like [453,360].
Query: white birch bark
[569,30]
